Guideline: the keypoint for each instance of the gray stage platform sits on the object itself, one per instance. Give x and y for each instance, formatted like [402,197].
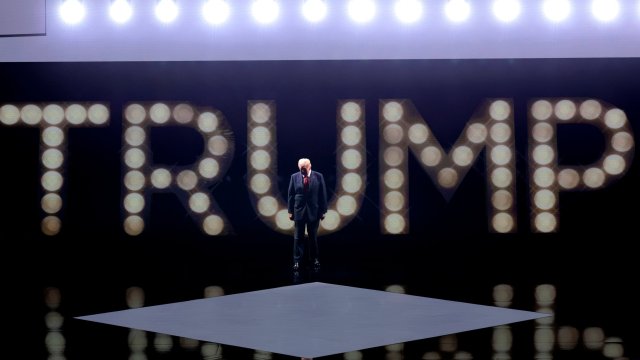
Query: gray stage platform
[313,320]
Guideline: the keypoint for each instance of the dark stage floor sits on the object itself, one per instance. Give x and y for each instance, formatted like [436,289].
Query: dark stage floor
[592,305]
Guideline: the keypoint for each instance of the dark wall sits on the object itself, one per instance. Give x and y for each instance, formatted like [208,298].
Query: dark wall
[448,253]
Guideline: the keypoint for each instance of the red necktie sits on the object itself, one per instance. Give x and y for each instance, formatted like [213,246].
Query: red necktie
[306,183]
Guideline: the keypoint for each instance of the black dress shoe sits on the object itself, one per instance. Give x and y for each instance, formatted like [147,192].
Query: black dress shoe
[296,266]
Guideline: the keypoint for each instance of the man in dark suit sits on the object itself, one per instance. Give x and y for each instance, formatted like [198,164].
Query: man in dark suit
[307,206]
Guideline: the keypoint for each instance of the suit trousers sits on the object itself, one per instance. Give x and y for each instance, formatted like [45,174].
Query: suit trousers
[299,240]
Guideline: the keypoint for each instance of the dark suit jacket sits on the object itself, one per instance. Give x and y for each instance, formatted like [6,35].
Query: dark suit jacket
[310,205]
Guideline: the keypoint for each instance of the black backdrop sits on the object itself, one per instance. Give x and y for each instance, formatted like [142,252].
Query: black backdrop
[448,253]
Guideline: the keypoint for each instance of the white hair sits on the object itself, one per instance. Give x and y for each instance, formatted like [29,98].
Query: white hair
[303,162]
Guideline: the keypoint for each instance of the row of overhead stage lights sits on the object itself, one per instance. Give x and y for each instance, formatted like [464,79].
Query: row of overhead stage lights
[361,11]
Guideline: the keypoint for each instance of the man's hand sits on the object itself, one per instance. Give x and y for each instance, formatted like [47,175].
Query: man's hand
[290,216]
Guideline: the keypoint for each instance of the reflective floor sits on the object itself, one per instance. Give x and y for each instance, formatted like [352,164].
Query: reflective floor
[594,317]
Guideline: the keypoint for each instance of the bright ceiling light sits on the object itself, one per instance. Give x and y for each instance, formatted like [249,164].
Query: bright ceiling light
[72,11]
[120,11]
[408,11]
[216,12]
[457,10]
[314,10]
[605,10]
[167,11]
[265,11]
[361,11]
[506,10]
[556,10]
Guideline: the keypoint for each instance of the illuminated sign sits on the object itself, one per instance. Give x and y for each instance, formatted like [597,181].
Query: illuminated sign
[402,130]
